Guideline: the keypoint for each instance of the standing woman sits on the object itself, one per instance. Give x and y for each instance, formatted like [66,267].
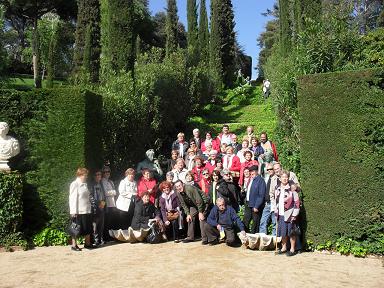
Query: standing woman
[212,193]
[286,210]
[110,194]
[80,207]
[170,209]
[127,197]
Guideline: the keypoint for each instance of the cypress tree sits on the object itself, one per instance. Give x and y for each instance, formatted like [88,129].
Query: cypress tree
[121,35]
[285,28]
[203,36]
[88,18]
[222,41]
[192,31]
[171,27]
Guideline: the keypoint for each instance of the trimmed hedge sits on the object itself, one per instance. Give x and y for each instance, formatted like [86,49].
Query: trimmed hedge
[59,130]
[342,154]
[11,210]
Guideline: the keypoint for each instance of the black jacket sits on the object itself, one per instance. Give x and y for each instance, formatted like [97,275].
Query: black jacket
[143,212]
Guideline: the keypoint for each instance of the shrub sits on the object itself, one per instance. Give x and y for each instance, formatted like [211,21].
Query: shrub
[342,155]
[11,210]
[50,237]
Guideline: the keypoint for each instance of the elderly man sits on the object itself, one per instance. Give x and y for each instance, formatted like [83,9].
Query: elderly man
[196,137]
[254,200]
[221,222]
[194,203]
[268,214]
[180,145]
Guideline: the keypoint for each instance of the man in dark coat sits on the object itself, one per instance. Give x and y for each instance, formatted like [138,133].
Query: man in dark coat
[254,200]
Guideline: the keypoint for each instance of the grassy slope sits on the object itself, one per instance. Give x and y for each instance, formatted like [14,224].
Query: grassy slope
[238,116]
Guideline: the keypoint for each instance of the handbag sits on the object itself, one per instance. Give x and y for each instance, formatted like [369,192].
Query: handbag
[74,228]
[172,215]
[295,231]
[154,235]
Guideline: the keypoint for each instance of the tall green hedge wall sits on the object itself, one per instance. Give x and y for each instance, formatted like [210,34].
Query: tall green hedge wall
[59,130]
[11,207]
[342,153]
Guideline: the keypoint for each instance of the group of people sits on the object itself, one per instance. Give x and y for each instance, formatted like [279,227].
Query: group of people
[205,181]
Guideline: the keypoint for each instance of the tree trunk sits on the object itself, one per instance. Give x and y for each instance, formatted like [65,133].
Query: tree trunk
[36,55]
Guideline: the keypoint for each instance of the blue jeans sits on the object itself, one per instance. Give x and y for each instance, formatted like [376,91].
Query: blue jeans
[267,216]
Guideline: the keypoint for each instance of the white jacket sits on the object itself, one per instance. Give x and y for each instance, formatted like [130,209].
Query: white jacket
[127,190]
[79,202]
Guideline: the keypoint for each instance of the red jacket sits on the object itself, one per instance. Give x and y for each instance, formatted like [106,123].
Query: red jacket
[204,185]
[244,165]
[197,173]
[235,166]
[144,185]
[215,145]
[209,166]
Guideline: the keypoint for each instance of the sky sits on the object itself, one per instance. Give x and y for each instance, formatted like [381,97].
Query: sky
[249,21]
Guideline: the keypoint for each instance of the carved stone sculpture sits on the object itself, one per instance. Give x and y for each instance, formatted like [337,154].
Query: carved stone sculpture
[9,147]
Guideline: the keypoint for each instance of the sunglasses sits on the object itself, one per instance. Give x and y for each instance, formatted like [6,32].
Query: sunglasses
[269,169]
[205,174]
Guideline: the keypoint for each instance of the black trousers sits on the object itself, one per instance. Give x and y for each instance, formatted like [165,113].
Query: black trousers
[214,234]
[250,215]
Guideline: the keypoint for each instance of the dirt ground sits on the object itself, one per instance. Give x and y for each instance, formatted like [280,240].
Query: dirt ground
[183,265]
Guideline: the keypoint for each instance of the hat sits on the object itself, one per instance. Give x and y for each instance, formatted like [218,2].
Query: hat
[225,171]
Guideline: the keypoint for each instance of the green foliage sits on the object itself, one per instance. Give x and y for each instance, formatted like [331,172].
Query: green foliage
[59,130]
[342,154]
[11,210]
[222,42]
[203,36]
[192,32]
[50,237]
[372,52]
[87,46]
[13,239]
[171,27]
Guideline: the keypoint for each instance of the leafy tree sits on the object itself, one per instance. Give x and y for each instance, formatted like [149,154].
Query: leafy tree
[31,11]
[203,35]
[171,27]
[192,31]
[266,40]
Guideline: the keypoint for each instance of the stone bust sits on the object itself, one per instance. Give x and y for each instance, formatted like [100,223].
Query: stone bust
[9,146]
[150,163]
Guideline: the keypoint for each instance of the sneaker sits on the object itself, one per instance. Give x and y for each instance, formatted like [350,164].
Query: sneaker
[176,241]
[205,242]
[75,248]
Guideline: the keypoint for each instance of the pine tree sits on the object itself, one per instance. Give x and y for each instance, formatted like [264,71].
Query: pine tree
[203,35]
[222,41]
[192,31]
[121,35]
[88,19]
[171,27]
